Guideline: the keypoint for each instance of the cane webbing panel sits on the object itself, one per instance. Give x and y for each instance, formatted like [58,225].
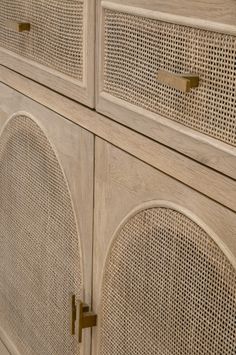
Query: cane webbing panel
[39,245]
[136,48]
[167,289]
[56,36]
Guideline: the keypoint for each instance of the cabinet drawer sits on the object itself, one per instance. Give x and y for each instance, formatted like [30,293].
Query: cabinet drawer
[55,41]
[137,48]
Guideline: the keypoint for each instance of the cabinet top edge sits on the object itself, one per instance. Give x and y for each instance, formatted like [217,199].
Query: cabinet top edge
[211,15]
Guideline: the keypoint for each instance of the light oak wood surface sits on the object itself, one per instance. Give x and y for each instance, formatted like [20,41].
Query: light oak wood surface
[124,185]
[208,151]
[208,181]
[74,147]
[3,349]
[200,147]
[216,15]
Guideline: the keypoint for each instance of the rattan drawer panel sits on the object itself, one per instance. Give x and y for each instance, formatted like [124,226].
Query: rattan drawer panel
[136,47]
[57,36]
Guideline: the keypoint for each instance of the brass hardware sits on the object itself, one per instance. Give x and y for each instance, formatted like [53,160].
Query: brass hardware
[182,82]
[72,314]
[84,319]
[17,26]
[80,317]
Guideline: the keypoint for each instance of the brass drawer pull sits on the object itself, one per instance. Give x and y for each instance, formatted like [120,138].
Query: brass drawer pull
[80,317]
[17,26]
[84,320]
[182,82]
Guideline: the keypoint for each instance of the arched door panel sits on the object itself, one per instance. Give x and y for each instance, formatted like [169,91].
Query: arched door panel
[45,227]
[164,264]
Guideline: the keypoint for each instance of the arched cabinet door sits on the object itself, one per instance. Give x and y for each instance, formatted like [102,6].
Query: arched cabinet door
[46,169]
[164,263]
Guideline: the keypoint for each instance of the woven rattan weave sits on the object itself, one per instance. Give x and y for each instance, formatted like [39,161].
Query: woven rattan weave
[39,245]
[167,289]
[56,36]
[135,48]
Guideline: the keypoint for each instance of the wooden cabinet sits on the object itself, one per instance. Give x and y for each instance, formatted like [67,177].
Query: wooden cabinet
[51,43]
[46,218]
[142,234]
[127,211]
[164,277]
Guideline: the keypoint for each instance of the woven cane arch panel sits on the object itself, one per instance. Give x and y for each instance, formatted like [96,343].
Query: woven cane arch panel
[39,244]
[56,36]
[136,48]
[167,289]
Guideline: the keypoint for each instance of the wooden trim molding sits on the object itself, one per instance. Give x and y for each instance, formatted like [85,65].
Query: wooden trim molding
[209,182]
[206,22]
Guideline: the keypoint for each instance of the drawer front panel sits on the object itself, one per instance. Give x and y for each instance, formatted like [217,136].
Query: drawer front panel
[56,35]
[135,48]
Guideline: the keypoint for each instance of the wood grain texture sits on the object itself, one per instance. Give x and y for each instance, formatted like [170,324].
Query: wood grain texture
[215,15]
[7,343]
[3,349]
[208,151]
[75,150]
[82,91]
[125,185]
[211,183]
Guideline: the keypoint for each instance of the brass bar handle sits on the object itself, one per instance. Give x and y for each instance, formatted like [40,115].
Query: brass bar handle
[72,303]
[80,317]
[72,313]
[17,26]
[181,82]
[84,319]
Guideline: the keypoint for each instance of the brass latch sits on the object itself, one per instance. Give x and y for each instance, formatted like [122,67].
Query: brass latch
[80,317]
